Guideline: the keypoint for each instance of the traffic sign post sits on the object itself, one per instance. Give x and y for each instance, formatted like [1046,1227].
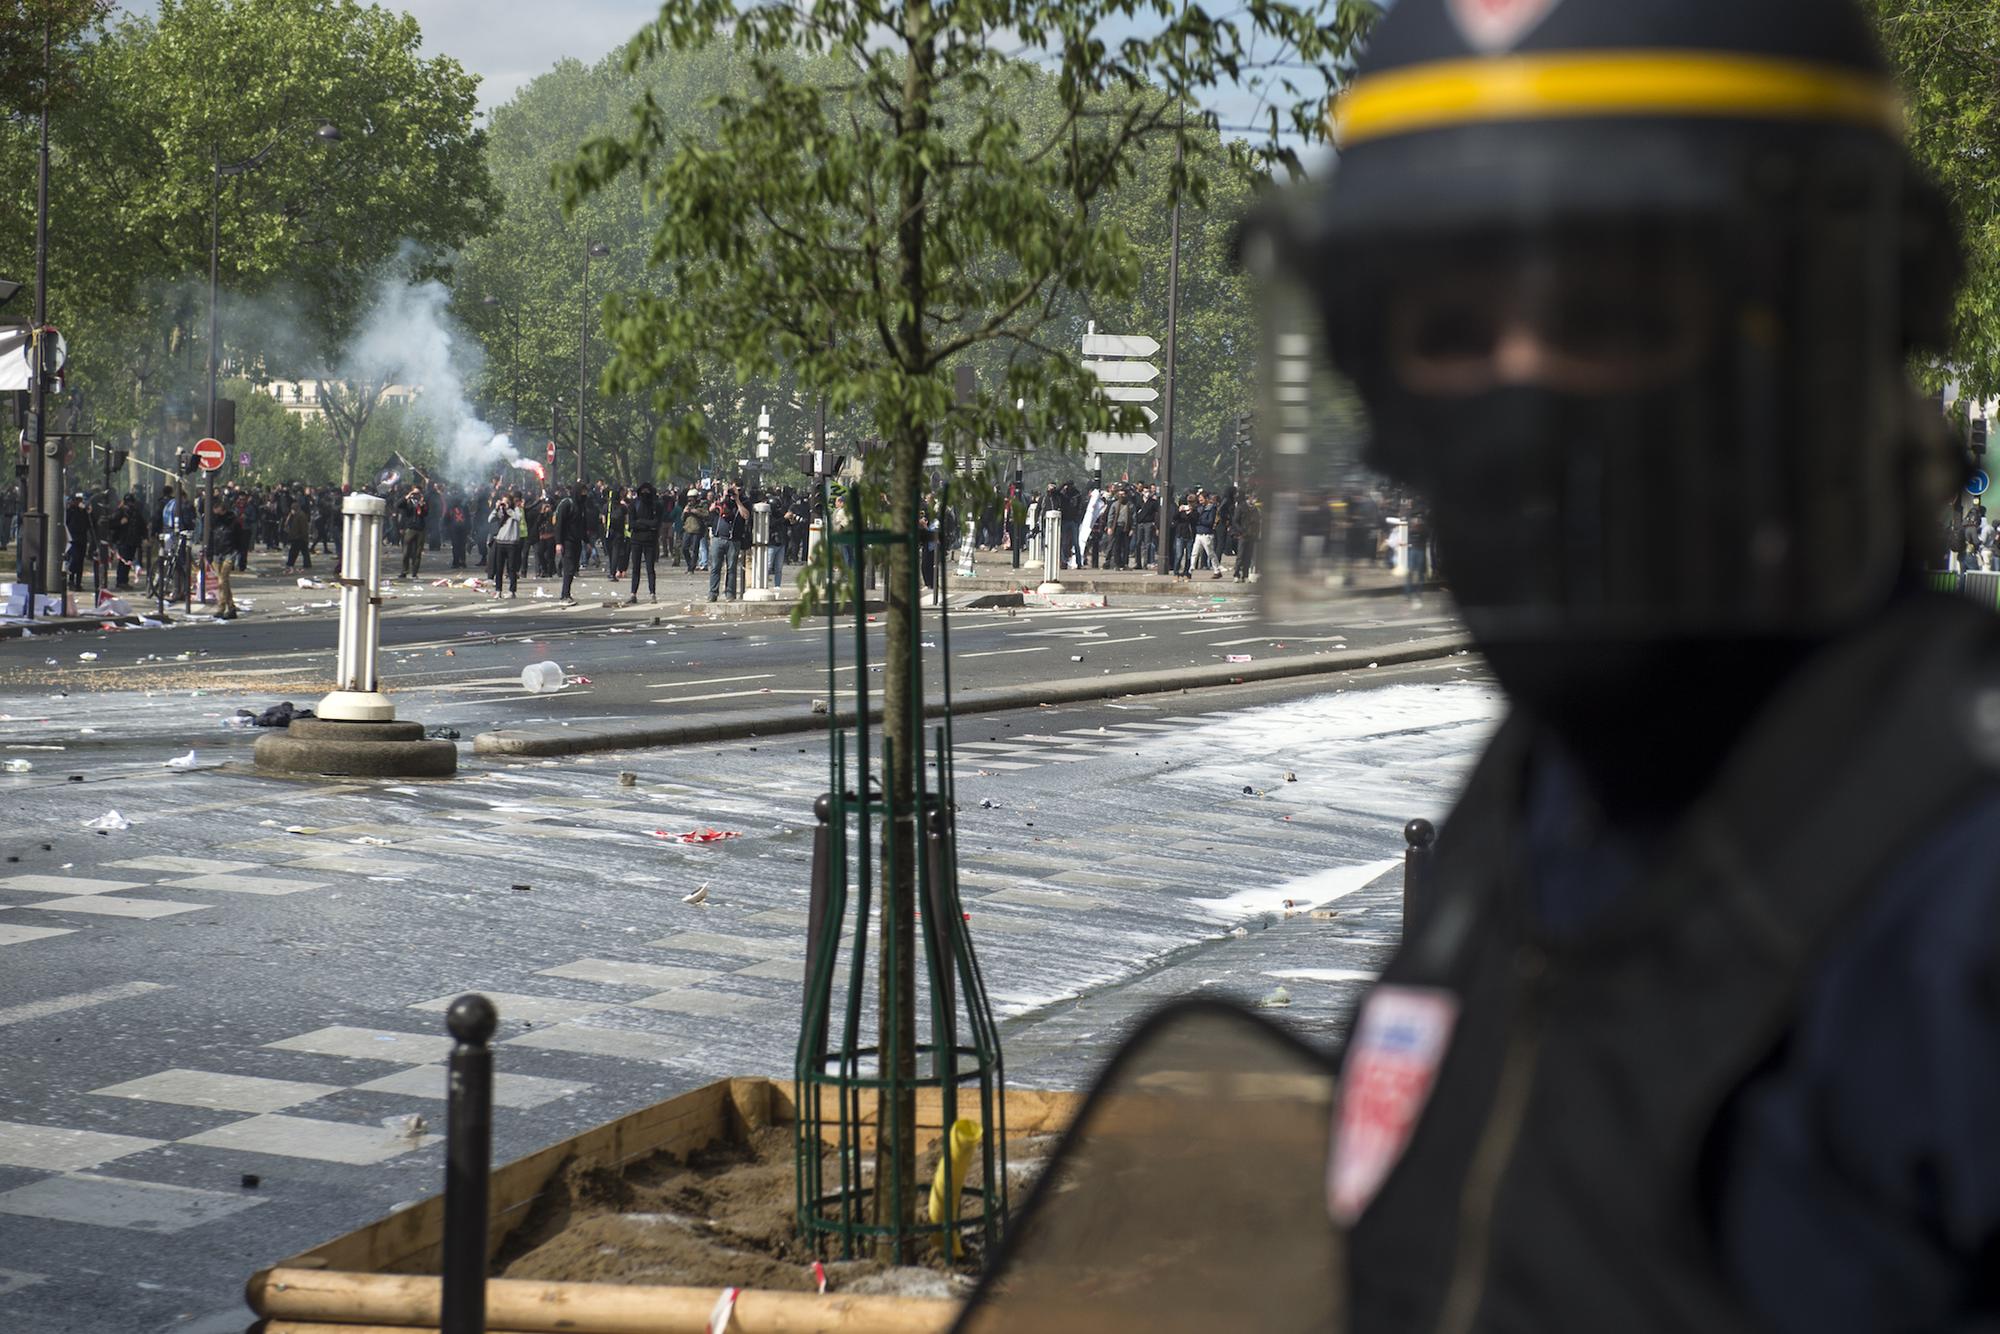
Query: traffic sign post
[209,454]
[1124,376]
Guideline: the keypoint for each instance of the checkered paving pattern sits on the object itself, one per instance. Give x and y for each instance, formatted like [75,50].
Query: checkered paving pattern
[713,989]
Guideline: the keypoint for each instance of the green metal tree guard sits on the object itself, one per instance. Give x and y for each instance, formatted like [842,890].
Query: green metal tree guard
[958,1049]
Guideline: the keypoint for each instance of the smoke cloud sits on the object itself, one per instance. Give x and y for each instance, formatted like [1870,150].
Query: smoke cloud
[409,337]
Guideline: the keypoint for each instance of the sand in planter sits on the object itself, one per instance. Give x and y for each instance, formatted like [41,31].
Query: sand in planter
[722,1217]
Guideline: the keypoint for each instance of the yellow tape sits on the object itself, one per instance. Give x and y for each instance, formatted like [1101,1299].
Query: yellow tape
[1609,83]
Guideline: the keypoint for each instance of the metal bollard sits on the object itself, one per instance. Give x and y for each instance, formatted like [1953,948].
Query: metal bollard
[468,1163]
[757,584]
[816,906]
[937,910]
[357,696]
[1052,547]
[1420,838]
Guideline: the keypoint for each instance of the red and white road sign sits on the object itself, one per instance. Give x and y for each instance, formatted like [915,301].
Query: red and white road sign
[209,454]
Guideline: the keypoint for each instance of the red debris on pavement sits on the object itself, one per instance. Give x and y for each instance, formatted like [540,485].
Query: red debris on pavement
[697,835]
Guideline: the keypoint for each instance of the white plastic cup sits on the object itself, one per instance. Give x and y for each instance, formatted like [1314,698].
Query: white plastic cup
[542,677]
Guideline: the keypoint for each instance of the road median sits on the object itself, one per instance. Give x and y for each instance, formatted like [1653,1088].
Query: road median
[548,739]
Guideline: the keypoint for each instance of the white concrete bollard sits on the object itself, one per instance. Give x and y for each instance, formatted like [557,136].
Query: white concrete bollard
[1052,552]
[357,696]
[757,587]
[967,548]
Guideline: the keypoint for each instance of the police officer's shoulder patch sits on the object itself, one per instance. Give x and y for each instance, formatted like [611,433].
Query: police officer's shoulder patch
[1493,26]
[1392,1060]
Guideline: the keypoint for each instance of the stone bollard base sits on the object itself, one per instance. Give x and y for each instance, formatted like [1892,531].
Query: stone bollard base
[360,750]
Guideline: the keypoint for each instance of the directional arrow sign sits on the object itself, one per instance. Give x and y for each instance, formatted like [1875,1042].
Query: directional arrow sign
[1119,345]
[1127,393]
[1122,372]
[1109,442]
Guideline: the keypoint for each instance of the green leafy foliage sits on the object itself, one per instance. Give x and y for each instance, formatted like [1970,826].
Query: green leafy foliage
[304,225]
[1946,53]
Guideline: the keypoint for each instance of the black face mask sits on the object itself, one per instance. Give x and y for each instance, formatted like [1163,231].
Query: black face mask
[1576,551]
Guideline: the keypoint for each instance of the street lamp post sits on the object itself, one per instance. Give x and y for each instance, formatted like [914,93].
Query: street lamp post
[595,250]
[513,367]
[327,133]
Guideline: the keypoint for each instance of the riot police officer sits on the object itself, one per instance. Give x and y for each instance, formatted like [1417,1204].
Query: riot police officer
[1702,1031]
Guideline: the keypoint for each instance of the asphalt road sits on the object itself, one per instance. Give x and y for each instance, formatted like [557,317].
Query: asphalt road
[452,658]
[246,979]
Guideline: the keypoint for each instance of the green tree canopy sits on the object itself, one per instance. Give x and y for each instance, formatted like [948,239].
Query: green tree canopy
[1947,53]
[304,225]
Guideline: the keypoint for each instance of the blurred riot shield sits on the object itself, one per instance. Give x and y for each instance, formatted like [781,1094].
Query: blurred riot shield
[1188,1195]
[1337,536]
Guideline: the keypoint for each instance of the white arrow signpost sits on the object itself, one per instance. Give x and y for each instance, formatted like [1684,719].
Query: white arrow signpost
[1118,362]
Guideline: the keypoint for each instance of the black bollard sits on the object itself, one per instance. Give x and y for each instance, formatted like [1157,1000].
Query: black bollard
[1421,837]
[468,1150]
[816,909]
[937,909]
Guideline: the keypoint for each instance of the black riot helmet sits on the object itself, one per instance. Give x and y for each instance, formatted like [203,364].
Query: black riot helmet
[1629,288]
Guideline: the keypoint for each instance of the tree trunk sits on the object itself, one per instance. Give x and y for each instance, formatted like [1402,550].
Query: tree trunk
[902,725]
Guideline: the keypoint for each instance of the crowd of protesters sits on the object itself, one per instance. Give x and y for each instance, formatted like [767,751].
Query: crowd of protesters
[514,524]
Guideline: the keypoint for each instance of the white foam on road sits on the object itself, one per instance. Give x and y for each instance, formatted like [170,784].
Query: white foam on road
[1321,887]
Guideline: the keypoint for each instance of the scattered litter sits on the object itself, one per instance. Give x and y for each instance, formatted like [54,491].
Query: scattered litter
[626,778]
[443,734]
[1372,664]
[819,1276]
[1076,657]
[76,778]
[524,889]
[1248,790]
[87,657]
[451,653]
[985,804]
[819,706]
[698,835]
[542,677]
[17,766]
[1237,657]
[370,841]
[309,582]
[411,1126]
[240,719]
[282,715]
[1291,777]
[108,821]
[251,1181]
[186,761]
[1240,932]
[301,829]
[580,680]
[1277,1000]
[699,896]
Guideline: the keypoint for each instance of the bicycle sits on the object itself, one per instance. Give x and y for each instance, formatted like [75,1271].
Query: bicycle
[168,580]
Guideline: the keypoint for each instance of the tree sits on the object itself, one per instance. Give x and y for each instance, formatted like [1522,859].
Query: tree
[882,201]
[1945,53]
[31,30]
[531,264]
[158,101]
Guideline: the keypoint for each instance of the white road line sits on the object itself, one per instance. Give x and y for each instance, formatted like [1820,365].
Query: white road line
[996,652]
[720,694]
[714,681]
[82,1000]
[1232,643]
[1100,643]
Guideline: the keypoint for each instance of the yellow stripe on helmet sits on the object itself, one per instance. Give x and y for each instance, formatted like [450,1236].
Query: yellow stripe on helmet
[1581,85]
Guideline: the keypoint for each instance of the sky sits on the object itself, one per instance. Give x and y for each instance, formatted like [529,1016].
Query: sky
[509,42]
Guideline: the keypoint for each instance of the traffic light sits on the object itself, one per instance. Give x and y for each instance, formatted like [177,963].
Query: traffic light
[1243,430]
[185,463]
[225,420]
[1979,437]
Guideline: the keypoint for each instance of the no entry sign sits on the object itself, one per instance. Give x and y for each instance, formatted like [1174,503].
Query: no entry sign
[209,454]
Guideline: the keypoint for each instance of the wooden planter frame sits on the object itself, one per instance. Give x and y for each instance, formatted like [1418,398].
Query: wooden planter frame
[381,1278]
